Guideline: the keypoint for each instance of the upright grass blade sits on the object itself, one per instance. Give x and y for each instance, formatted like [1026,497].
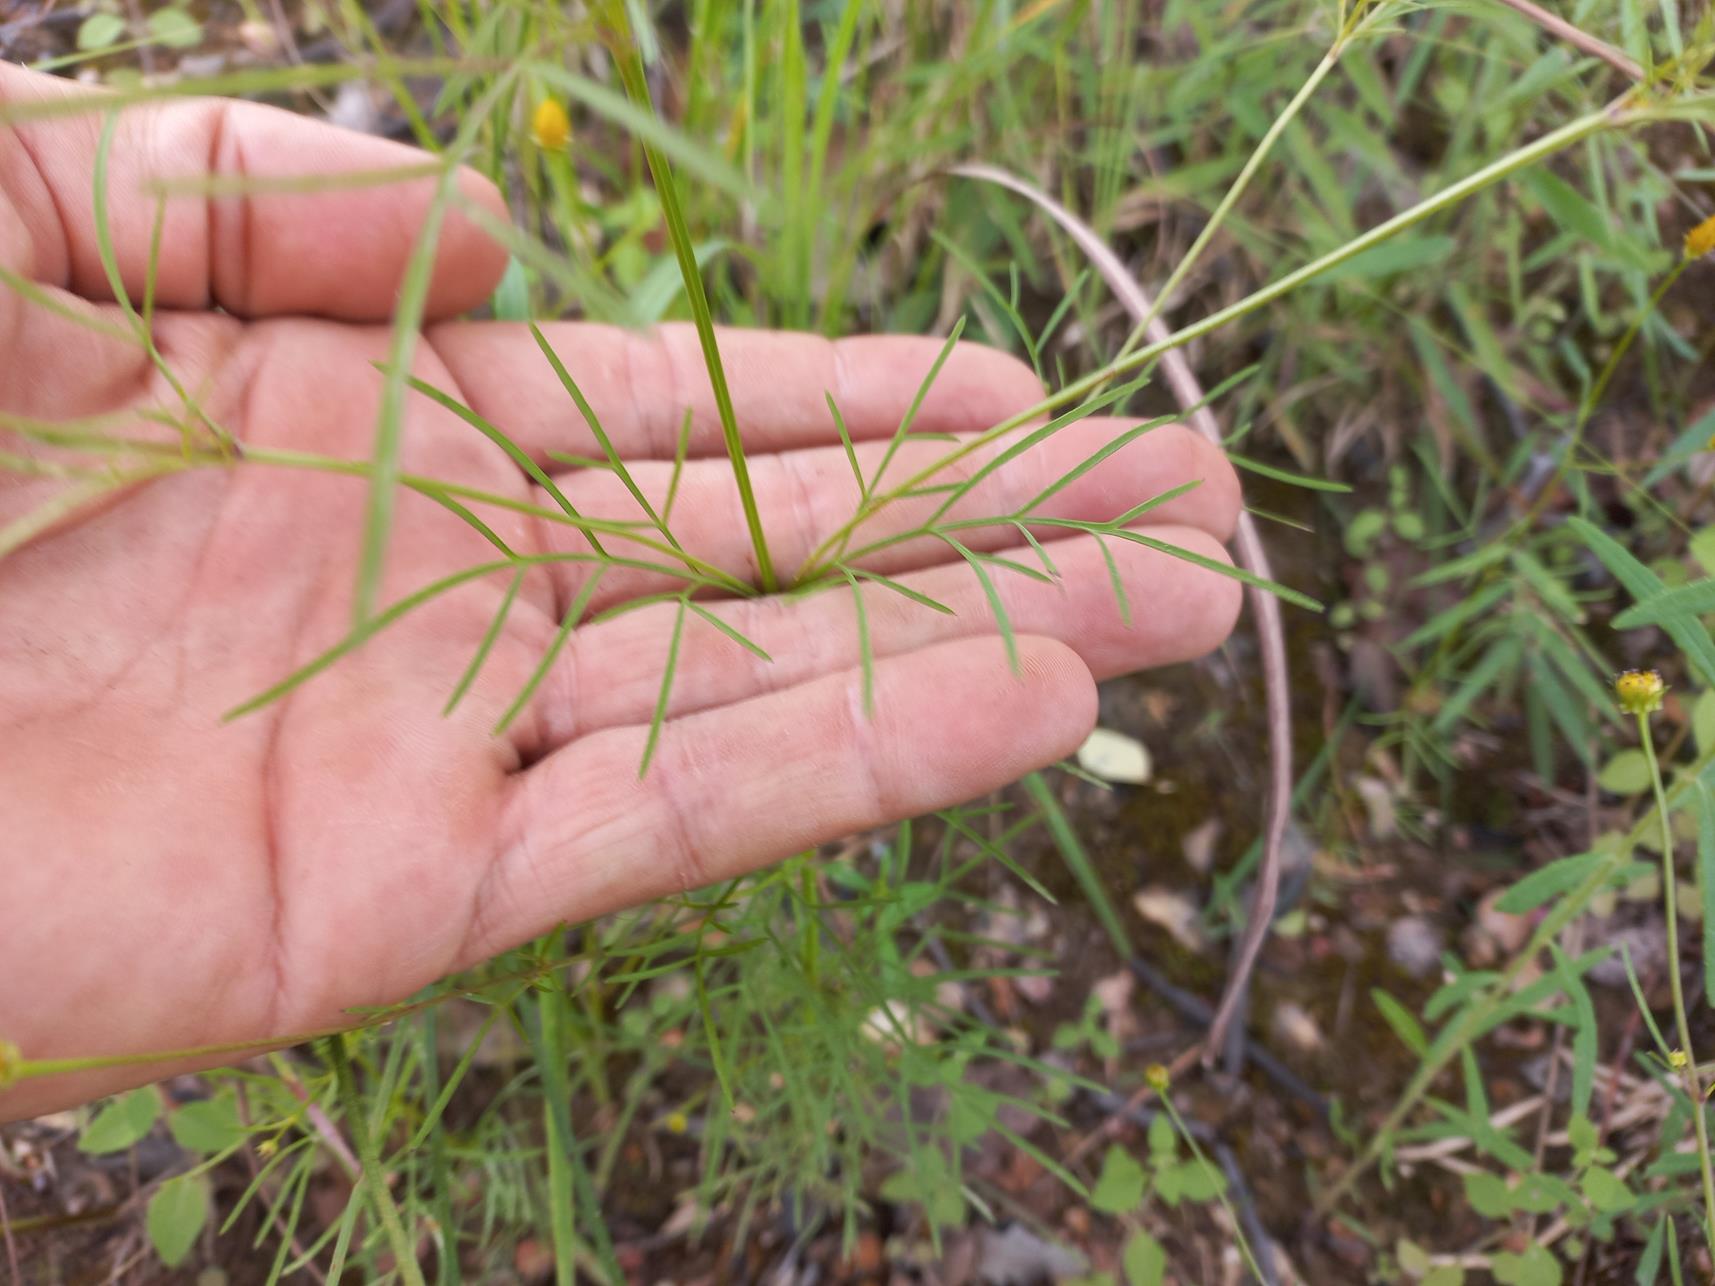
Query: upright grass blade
[1078,861]
[667,191]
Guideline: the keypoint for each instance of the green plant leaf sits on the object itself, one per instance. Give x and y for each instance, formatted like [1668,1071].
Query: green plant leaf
[1606,1191]
[207,1126]
[1537,1266]
[1627,773]
[1488,1194]
[1144,1261]
[1548,882]
[99,30]
[1119,1187]
[1645,586]
[175,28]
[1401,1020]
[122,1122]
[176,1215]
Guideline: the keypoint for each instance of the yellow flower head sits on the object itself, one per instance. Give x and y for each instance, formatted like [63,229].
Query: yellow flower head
[677,1123]
[1639,691]
[1701,239]
[550,126]
[1677,1060]
[1157,1077]
[10,1059]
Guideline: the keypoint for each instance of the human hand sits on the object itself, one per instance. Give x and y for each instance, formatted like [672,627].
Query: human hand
[169,881]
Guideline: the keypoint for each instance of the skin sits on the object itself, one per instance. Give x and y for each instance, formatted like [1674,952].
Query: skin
[170,880]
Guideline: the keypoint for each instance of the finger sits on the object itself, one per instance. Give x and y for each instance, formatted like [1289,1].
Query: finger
[804,496]
[610,673]
[732,789]
[641,383]
[337,253]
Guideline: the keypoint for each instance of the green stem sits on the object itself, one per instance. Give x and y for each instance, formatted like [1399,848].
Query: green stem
[1670,898]
[368,1151]
[1554,141]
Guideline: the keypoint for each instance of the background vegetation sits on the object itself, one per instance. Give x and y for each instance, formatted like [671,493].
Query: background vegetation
[939,1053]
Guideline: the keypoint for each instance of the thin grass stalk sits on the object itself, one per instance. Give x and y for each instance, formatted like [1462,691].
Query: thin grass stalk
[1682,1024]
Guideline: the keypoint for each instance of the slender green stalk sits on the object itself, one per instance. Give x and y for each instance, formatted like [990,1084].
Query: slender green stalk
[1556,140]
[667,190]
[369,1152]
[1670,899]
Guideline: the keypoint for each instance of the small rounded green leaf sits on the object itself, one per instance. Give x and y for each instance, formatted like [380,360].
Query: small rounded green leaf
[1606,1191]
[99,30]
[208,1126]
[1627,773]
[175,27]
[1144,1261]
[177,1213]
[121,1123]
[1119,1187]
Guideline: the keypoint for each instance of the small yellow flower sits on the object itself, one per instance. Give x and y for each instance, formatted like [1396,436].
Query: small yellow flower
[550,126]
[1639,691]
[10,1059]
[1677,1060]
[1157,1077]
[677,1123]
[267,1148]
[1701,239]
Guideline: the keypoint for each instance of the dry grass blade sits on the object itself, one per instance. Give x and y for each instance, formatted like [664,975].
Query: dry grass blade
[1251,556]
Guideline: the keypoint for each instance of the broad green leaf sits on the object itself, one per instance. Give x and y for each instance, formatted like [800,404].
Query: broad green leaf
[1548,882]
[207,1126]
[99,30]
[1119,1187]
[1195,1180]
[1606,1191]
[1627,773]
[175,27]
[1144,1261]
[176,1215]
[1488,1194]
[1444,1275]
[1537,1266]
[122,1122]
[1163,1141]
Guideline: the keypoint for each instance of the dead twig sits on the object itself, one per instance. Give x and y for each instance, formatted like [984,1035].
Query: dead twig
[1271,638]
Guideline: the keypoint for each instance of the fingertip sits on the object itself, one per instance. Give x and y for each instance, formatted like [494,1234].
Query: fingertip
[469,260]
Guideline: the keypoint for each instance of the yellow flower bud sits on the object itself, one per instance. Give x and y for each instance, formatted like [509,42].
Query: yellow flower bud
[1677,1060]
[1701,239]
[677,1123]
[1157,1077]
[550,126]
[1639,691]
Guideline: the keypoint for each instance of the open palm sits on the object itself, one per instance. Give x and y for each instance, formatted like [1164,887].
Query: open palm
[169,880]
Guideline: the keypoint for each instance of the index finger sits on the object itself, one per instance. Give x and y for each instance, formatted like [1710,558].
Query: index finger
[334,252]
